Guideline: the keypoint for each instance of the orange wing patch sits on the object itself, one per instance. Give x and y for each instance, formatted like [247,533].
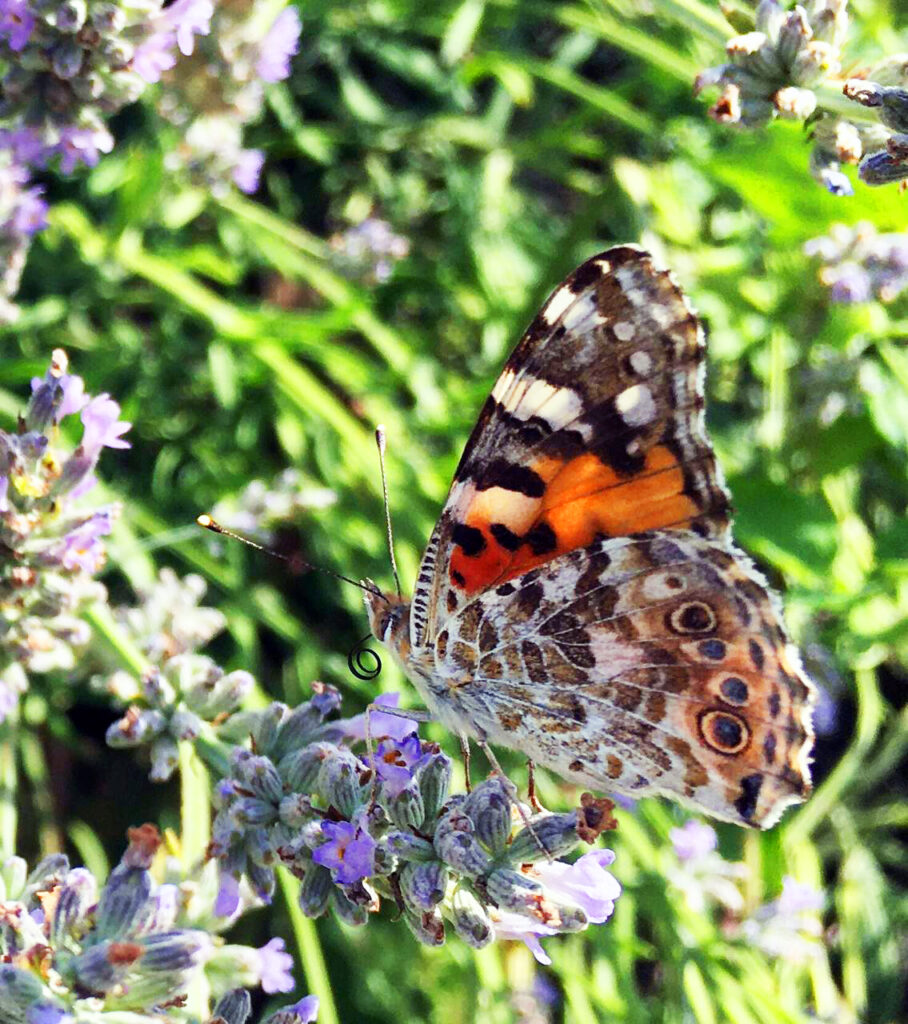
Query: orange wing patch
[505,533]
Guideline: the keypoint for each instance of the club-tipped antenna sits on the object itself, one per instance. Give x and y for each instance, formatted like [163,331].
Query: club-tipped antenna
[208,523]
[380,441]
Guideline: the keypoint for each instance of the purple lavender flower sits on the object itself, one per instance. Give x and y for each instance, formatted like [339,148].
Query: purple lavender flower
[275,967]
[247,169]
[394,727]
[16,24]
[396,761]
[154,56]
[585,883]
[303,1012]
[189,19]
[516,927]
[103,429]
[82,548]
[693,840]
[279,45]
[349,853]
[798,897]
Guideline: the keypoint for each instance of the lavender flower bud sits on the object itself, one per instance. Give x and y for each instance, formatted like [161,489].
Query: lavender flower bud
[408,847]
[258,775]
[67,59]
[136,727]
[268,726]
[47,873]
[262,881]
[349,912]
[13,873]
[77,895]
[300,769]
[423,885]
[123,902]
[470,918]
[212,697]
[338,782]
[428,927]
[175,951]
[512,890]
[251,811]
[890,164]
[546,835]
[892,103]
[295,810]
[297,729]
[18,990]
[315,891]
[456,845]
[100,968]
[71,15]
[489,808]
[185,725]
[406,808]
[165,756]
[794,35]
[234,1007]
[434,783]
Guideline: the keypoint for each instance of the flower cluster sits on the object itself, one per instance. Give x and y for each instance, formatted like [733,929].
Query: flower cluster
[211,96]
[22,213]
[261,506]
[858,263]
[52,542]
[356,827]
[786,63]
[73,951]
[70,64]
[786,927]
[369,250]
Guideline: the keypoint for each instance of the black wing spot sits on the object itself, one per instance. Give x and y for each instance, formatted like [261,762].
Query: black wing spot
[746,804]
[509,540]
[511,477]
[469,538]
[541,539]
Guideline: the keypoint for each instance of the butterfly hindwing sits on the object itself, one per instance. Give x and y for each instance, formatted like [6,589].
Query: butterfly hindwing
[652,664]
[594,429]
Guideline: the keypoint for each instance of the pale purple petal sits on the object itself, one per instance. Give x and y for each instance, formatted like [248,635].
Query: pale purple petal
[228,898]
[798,896]
[693,840]
[16,24]
[306,1010]
[103,428]
[275,967]
[248,169]
[278,46]
[155,56]
[584,883]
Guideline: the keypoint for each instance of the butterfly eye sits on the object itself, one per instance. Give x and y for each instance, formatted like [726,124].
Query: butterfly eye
[691,617]
[724,732]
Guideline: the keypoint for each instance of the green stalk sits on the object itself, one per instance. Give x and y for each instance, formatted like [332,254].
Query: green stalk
[34,766]
[309,948]
[195,806]
[8,780]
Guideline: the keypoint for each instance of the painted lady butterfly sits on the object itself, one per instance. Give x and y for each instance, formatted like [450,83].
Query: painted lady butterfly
[580,599]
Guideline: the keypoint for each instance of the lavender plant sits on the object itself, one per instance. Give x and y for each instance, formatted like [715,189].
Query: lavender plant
[73,951]
[787,62]
[51,532]
[857,263]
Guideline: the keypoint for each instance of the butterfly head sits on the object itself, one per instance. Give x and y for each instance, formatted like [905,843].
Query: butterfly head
[389,619]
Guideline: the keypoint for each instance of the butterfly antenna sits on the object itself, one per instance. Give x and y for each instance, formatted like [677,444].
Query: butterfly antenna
[210,524]
[380,441]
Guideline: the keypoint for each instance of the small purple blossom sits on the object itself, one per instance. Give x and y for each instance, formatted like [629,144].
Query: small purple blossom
[349,853]
[280,43]
[82,146]
[395,762]
[798,897]
[16,24]
[694,840]
[248,169]
[82,548]
[584,883]
[305,1011]
[275,967]
[153,57]
[228,897]
[516,927]
[381,726]
[189,18]
[103,429]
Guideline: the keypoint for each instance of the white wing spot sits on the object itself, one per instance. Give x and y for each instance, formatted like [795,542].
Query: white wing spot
[623,330]
[557,304]
[636,405]
[503,385]
[641,362]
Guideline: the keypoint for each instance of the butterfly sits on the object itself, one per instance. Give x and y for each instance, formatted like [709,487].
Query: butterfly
[580,599]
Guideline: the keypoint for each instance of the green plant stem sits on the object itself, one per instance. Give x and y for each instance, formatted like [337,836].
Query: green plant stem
[195,806]
[310,950]
[101,620]
[8,780]
[34,767]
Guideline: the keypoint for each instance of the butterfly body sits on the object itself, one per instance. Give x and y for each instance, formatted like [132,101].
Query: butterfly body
[580,599]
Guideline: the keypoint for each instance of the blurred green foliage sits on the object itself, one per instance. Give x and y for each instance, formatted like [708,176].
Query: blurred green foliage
[507,141]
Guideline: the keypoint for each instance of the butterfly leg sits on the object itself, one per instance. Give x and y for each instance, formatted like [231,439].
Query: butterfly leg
[531,787]
[512,794]
[465,754]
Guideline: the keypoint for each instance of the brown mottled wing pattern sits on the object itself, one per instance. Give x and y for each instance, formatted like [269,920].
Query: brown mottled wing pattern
[594,429]
[647,664]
